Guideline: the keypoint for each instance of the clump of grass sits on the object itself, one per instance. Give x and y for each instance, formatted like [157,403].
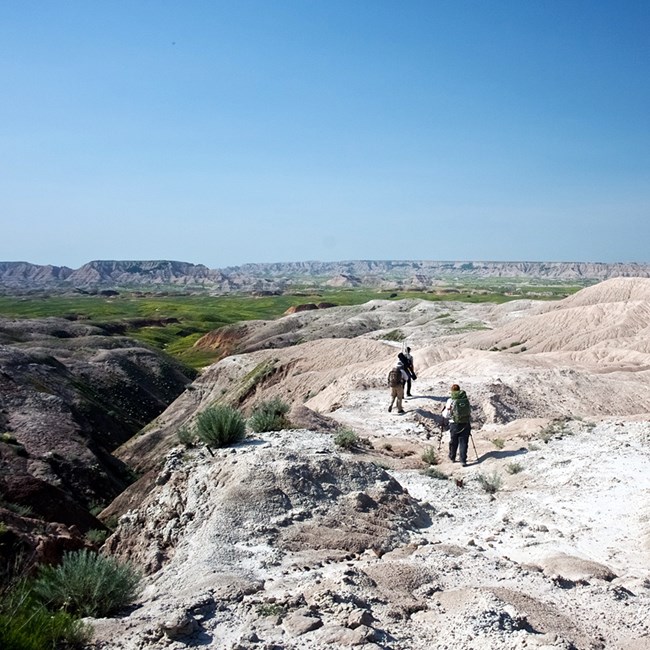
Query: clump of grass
[393,335]
[27,624]
[186,437]
[434,472]
[220,426]
[270,415]
[95,507]
[514,468]
[87,584]
[346,438]
[533,447]
[387,446]
[96,536]
[272,609]
[491,483]
[430,456]
[555,430]
[499,443]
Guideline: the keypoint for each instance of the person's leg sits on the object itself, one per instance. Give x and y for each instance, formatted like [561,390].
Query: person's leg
[408,387]
[453,441]
[463,442]
[400,396]
[393,395]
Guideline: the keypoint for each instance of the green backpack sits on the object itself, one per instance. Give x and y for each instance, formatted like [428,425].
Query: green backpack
[460,408]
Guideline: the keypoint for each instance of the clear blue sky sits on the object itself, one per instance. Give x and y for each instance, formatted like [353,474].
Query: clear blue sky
[284,130]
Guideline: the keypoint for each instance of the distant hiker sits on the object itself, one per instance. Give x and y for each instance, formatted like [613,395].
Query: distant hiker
[396,379]
[458,415]
[406,359]
[410,368]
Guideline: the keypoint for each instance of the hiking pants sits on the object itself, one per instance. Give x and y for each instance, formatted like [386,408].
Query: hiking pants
[396,393]
[408,385]
[459,440]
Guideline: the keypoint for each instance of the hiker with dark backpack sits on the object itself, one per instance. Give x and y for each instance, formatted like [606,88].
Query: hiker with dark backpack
[458,412]
[406,359]
[396,379]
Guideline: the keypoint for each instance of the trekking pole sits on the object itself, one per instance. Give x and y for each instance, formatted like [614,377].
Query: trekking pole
[471,437]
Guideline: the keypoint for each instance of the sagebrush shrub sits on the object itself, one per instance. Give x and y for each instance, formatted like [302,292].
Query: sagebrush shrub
[26,624]
[514,468]
[499,443]
[346,438]
[219,426]
[88,584]
[186,437]
[434,472]
[429,456]
[96,536]
[270,415]
[491,483]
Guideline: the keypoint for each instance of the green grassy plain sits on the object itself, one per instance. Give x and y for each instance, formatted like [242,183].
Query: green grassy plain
[173,323]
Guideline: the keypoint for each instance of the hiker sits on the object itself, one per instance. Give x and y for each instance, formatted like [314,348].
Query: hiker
[406,359]
[410,370]
[396,379]
[457,409]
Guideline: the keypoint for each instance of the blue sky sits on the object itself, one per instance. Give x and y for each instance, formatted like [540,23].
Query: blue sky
[285,130]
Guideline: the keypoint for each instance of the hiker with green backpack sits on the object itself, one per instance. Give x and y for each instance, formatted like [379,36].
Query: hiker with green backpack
[458,413]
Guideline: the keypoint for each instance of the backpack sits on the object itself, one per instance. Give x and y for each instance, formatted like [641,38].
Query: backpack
[408,366]
[395,377]
[460,408]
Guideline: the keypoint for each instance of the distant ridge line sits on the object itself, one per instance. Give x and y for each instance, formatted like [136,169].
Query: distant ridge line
[277,276]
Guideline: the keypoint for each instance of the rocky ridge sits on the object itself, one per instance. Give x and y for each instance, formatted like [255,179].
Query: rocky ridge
[70,394]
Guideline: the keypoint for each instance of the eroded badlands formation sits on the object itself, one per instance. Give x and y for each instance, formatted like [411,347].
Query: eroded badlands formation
[287,541]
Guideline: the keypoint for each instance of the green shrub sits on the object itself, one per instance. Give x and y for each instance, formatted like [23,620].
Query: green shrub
[514,468]
[270,415]
[272,609]
[186,437]
[393,335]
[26,624]
[87,584]
[220,426]
[429,456]
[96,536]
[491,483]
[95,507]
[346,438]
[555,430]
[499,443]
[434,472]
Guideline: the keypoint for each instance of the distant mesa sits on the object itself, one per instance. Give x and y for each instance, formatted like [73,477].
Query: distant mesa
[277,278]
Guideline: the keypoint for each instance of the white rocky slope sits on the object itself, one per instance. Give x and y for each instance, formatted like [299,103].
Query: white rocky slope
[286,541]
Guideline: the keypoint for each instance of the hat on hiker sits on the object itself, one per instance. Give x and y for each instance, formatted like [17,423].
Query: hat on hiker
[455,387]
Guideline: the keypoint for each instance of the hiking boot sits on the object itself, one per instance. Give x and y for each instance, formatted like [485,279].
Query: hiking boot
[401,412]
[463,463]
[390,408]
[409,395]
